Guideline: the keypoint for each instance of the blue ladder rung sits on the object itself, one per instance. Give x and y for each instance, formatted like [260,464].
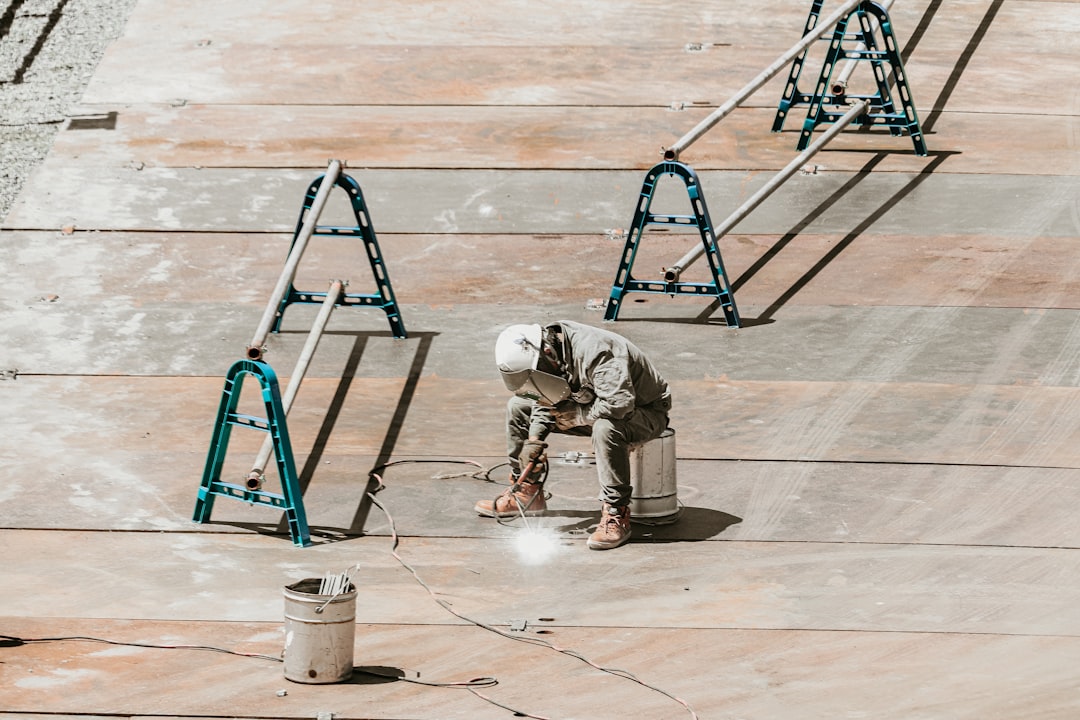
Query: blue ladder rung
[371,300]
[868,119]
[661,287]
[335,230]
[668,219]
[251,421]
[865,54]
[255,497]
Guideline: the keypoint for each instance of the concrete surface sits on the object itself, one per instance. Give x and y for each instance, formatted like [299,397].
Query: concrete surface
[877,471]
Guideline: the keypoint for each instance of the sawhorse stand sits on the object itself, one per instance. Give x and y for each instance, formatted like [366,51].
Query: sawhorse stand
[383,297]
[290,498]
[829,101]
[625,282]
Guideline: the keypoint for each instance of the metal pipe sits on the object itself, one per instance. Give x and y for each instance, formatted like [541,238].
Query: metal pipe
[672,273]
[258,468]
[840,84]
[288,273]
[826,25]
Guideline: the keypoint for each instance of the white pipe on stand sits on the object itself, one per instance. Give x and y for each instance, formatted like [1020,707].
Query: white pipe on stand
[824,26]
[258,468]
[672,273]
[258,342]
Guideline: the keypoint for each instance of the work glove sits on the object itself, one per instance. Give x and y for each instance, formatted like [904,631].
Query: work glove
[569,415]
[532,450]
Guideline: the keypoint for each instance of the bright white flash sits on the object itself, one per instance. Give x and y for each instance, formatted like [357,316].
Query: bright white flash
[536,546]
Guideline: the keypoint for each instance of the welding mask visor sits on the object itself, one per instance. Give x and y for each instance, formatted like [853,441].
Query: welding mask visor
[517,355]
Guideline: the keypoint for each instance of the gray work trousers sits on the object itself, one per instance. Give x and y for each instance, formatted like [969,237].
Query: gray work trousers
[611,441]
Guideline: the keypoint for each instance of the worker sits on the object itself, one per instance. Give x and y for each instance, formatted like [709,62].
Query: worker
[576,379]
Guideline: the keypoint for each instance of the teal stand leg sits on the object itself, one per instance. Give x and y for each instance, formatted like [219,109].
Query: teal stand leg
[792,95]
[290,498]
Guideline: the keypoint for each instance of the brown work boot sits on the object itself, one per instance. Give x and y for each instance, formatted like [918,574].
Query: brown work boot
[522,497]
[614,528]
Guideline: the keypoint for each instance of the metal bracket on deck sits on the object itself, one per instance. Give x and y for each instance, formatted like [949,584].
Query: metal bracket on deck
[290,498]
[625,282]
[384,296]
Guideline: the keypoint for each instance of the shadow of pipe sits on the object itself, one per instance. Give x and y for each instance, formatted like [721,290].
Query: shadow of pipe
[333,412]
[936,160]
[961,66]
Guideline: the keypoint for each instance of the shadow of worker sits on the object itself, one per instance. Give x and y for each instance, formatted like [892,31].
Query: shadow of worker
[693,524]
[690,524]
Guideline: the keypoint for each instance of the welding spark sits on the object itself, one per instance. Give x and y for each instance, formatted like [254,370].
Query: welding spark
[535,546]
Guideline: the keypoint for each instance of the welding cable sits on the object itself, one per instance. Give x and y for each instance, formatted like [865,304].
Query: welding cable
[525,472]
[442,603]
[12,641]
[464,684]
[616,672]
[484,474]
[375,470]
[517,503]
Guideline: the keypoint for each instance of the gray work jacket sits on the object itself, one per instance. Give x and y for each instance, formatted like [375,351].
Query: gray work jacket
[609,378]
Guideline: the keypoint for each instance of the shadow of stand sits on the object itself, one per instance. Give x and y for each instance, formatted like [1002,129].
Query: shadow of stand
[766,317]
[695,524]
[314,459]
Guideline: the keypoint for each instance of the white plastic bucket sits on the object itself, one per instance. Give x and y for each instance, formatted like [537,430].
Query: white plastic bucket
[652,473]
[319,633]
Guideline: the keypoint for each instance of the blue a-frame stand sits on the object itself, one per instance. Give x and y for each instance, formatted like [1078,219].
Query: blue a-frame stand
[383,298]
[625,282]
[290,498]
[828,107]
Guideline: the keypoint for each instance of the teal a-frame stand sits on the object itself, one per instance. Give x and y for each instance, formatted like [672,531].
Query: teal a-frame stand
[290,498]
[383,298]
[827,103]
[626,283]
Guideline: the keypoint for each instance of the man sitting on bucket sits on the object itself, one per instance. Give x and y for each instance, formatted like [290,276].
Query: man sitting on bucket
[579,380]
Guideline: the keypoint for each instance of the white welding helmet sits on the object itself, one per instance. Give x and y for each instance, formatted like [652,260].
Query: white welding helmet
[517,354]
